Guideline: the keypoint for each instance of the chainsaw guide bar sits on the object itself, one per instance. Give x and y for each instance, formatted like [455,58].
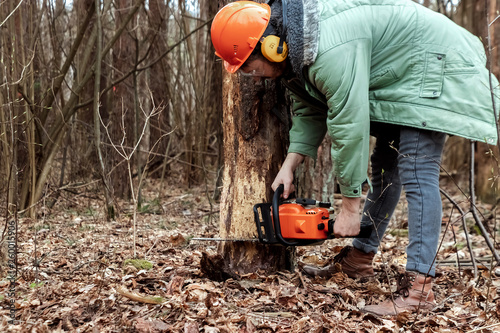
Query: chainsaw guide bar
[226,239]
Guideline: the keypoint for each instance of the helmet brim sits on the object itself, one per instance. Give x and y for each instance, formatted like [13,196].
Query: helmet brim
[232,68]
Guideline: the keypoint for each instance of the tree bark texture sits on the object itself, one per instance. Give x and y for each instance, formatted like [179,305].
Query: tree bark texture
[253,152]
[122,114]
[315,179]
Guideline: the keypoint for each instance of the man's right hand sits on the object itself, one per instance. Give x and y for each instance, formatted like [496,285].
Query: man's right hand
[347,222]
[285,175]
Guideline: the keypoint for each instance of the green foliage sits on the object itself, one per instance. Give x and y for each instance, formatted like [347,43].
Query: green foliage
[158,299]
[34,285]
[86,227]
[473,227]
[151,207]
[476,229]
[90,212]
[168,225]
[138,263]
[399,232]
[70,242]
[42,226]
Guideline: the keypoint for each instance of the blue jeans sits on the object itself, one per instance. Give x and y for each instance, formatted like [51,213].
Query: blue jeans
[406,158]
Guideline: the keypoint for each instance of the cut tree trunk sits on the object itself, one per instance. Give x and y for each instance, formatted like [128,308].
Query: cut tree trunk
[254,149]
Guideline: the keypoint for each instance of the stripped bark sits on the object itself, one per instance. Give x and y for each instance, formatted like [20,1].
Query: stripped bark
[253,152]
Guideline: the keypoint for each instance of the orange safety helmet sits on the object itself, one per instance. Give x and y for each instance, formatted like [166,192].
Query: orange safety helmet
[236,30]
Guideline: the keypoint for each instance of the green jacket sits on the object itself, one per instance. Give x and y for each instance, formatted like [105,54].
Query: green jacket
[390,61]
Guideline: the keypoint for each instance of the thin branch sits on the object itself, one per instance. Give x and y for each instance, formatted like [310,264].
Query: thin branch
[11,13]
[496,18]
[466,232]
[22,72]
[473,209]
[490,76]
[140,69]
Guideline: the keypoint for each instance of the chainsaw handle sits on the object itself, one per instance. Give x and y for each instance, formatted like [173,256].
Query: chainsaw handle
[276,216]
[276,221]
[312,202]
[365,231]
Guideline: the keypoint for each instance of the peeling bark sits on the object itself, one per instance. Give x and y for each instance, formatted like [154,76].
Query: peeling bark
[253,152]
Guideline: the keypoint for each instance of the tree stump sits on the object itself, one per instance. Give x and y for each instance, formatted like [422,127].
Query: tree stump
[255,132]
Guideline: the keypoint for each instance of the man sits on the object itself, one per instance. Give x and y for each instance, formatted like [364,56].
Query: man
[389,68]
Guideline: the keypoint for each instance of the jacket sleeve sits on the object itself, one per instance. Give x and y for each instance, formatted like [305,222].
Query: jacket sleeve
[342,74]
[308,128]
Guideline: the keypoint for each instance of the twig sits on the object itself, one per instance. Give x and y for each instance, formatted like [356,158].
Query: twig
[483,328]
[473,207]
[83,264]
[490,76]
[145,255]
[496,18]
[8,16]
[466,232]
[270,315]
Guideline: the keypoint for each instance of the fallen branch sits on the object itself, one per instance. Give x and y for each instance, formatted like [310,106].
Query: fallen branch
[272,314]
[139,298]
[484,328]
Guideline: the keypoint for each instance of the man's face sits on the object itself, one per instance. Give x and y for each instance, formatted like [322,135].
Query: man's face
[262,69]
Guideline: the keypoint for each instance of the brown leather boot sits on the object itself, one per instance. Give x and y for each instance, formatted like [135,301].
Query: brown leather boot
[354,263]
[415,294]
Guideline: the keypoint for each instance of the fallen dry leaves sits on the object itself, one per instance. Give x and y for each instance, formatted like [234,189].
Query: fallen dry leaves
[72,278]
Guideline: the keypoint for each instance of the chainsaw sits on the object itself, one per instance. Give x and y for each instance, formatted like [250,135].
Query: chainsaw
[296,223]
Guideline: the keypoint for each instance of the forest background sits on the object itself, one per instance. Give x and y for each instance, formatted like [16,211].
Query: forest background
[112,150]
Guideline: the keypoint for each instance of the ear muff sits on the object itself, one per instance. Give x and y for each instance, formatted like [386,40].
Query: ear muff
[274,48]
[269,49]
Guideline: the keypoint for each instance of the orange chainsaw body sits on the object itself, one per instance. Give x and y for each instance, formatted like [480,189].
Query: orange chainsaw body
[298,222]
[293,224]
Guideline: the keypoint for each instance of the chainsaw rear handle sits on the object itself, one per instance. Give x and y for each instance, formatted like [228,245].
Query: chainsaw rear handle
[364,232]
[307,202]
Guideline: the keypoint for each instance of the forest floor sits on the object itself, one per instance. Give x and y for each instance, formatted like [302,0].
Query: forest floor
[75,275]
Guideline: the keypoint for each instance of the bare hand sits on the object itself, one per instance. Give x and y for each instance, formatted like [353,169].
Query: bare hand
[347,222]
[285,175]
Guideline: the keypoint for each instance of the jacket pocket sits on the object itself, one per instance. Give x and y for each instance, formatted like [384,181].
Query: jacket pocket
[432,81]
[459,68]
[382,77]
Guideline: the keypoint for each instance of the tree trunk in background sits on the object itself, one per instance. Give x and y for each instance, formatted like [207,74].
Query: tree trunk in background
[316,180]
[160,89]
[122,113]
[472,15]
[486,159]
[216,99]
[87,157]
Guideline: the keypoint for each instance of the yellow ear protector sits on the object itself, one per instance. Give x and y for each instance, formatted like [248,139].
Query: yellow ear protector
[274,48]
[269,48]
